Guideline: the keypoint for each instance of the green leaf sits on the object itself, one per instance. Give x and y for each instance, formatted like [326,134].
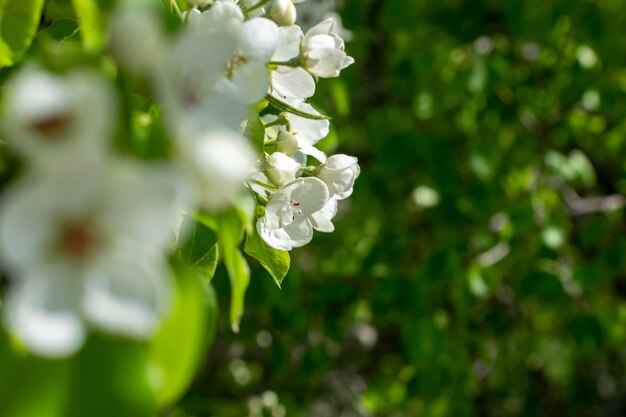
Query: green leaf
[113,378]
[230,227]
[181,345]
[34,387]
[200,249]
[20,20]
[91,22]
[255,130]
[275,261]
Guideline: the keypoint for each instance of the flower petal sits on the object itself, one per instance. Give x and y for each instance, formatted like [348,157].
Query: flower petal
[311,193]
[258,39]
[322,219]
[289,40]
[292,83]
[276,238]
[300,232]
[43,309]
[127,294]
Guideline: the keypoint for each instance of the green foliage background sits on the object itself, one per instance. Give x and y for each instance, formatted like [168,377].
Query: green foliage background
[498,287]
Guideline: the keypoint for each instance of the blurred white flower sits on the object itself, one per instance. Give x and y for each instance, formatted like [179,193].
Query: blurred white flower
[245,76]
[136,37]
[286,223]
[281,169]
[217,68]
[312,12]
[187,76]
[85,250]
[339,173]
[323,50]
[217,162]
[47,117]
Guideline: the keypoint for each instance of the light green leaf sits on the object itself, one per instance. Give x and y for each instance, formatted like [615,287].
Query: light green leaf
[276,262]
[113,377]
[20,20]
[255,130]
[34,387]
[200,249]
[91,22]
[180,346]
[230,228]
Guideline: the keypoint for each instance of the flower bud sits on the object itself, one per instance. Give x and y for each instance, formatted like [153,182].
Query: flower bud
[281,169]
[283,12]
[286,143]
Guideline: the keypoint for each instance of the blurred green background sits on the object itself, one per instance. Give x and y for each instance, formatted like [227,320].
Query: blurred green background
[479,268]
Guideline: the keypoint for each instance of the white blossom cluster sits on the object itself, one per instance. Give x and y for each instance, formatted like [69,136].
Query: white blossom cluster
[85,232]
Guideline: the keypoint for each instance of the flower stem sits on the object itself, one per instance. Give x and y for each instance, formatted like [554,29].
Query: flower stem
[257,6]
[295,62]
[280,121]
[264,184]
[286,107]
[309,170]
[175,8]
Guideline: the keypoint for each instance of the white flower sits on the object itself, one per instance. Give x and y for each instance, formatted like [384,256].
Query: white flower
[47,116]
[245,77]
[136,37]
[339,174]
[323,50]
[287,220]
[217,162]
[85,250]
[281,169]
[216,69]
[187,77]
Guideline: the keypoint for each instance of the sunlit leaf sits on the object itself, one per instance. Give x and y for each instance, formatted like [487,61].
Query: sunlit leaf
[18,26]
[275,261]
[181,345]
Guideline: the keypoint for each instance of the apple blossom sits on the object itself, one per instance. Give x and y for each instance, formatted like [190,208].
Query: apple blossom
[48,116]
[286,223]
[85,250]
[339,173]
[323,50]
